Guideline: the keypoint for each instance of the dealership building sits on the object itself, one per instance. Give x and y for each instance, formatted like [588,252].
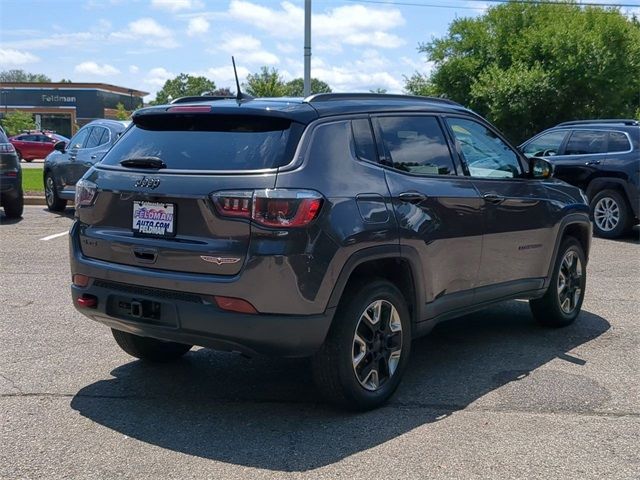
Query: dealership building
[64,107]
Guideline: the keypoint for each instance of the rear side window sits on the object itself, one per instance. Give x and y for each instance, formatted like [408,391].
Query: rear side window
[209,142]
[586,142]
[416,145]
[618,142]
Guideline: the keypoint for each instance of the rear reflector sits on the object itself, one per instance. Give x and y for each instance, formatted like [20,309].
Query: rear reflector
[80,280]
[87,301]
[234,304]
[189,109]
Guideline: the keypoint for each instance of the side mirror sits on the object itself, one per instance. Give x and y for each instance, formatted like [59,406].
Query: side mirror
[60,146]
[540,168]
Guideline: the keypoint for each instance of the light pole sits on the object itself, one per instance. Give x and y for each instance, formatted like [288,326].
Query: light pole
[307,48]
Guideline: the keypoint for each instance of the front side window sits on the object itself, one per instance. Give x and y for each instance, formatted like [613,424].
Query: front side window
[618,142]
[79,138]
[546,145]
[586,142]
[416,145]
[487,156]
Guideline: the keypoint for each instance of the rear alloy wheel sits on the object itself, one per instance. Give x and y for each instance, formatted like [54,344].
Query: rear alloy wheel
[366,351]
[610,213]
[561,304]
[54,203]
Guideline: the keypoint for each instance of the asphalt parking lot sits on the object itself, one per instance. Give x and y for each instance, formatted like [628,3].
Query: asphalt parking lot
[491,395]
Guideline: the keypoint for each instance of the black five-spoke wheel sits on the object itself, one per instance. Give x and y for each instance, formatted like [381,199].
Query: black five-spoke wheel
[570,282]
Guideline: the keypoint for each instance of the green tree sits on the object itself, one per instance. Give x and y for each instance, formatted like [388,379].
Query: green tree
[295,88]
[121,112]
[223,92]
[183,85]
[22,76]
[17,121]
[378,90]
[528,66]
[65,80]
[266,83]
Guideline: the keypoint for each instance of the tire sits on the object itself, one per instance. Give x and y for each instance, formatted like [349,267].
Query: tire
[54,203]
[611,214]
[14,206]
[149,349]
[333,365]
[552,309]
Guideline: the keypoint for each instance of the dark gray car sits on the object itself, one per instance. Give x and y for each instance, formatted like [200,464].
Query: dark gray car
[338,227]
[69,162]
[602,157]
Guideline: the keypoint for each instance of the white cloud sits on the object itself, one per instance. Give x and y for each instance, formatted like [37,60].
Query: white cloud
[197,26]
[158,76]
[223,76]
[176,5]
[248,50]
[133,69]
[357,25]
[149,31]
[93,68]
[11,57]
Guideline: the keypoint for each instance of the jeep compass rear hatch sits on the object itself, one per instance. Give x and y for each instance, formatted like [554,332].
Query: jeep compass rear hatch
[177,191]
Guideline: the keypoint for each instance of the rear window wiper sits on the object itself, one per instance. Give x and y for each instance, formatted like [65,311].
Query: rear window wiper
[143,162]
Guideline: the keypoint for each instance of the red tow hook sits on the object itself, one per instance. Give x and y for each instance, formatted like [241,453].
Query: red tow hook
[87,301]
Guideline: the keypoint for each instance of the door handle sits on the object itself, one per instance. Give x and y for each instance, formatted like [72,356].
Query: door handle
[593,162]
[93,157]
[492,198]
[412,197]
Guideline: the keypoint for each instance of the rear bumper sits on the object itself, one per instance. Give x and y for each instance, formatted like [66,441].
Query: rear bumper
[189,319]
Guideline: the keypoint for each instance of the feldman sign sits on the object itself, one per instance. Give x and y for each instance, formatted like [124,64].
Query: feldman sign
[57,99]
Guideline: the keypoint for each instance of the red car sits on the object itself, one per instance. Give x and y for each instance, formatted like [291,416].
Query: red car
[34,144]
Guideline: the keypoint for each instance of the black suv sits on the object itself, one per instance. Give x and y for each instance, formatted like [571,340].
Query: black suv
[11,195]
[338,227]
[69,162]
[602,157]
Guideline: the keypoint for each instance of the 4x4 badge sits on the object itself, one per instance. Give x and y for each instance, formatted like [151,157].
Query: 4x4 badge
[147,182]
[219,260]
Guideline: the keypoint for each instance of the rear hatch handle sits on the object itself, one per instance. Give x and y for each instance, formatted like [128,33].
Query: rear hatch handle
[144,162]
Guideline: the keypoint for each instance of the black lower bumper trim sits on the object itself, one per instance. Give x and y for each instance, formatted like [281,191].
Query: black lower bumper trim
[206,325]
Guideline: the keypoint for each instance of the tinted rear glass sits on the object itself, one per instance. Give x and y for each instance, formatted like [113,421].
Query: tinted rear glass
[585,142]
[3,137]
[209,142]
[618,142]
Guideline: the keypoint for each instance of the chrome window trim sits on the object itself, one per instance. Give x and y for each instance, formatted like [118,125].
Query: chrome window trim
[608,130]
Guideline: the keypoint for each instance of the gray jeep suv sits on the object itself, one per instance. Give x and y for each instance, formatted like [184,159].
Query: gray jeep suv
[338,227]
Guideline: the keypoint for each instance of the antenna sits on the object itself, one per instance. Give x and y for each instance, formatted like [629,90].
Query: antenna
[239,95]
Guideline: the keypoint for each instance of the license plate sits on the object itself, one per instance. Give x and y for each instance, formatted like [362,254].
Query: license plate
[151,218]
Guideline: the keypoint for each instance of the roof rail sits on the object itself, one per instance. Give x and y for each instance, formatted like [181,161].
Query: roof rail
[623,121]
[200,98]
[329,97]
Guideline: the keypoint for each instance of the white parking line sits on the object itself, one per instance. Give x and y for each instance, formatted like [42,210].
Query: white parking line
[55,235]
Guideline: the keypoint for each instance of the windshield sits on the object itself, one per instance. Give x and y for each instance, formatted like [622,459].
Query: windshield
[209,142]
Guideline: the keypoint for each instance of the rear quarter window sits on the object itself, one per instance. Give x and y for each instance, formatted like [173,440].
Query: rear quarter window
[209,142]
[618,142]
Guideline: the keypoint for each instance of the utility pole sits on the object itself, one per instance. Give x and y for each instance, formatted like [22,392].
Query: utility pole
[307,48]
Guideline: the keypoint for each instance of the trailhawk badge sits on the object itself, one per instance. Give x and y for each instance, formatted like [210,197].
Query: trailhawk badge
[219,260]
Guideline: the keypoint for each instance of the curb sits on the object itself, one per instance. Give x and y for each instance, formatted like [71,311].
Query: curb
[32,200]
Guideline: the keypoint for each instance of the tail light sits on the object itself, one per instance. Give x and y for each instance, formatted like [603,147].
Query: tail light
[85,193]
[7,148]
[277,208]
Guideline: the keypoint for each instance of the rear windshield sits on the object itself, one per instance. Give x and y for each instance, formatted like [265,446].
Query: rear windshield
[209,142]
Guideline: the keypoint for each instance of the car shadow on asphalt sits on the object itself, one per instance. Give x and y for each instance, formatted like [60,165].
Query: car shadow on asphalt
[265,413]
[4,220]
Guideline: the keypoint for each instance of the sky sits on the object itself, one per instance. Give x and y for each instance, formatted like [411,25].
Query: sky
[356,45]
